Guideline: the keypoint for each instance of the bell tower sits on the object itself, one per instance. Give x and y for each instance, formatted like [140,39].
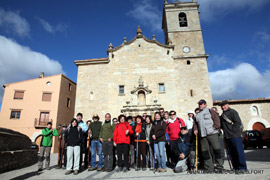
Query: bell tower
[181,25]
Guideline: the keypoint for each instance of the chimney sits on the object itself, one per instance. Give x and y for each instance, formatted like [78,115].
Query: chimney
[41,75]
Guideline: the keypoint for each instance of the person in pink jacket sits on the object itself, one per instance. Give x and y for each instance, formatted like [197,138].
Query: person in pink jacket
[173,130]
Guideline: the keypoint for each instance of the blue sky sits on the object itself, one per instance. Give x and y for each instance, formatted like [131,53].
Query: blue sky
[47,36]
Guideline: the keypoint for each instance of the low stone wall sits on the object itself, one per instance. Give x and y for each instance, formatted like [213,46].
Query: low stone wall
[14,159]
[15,150]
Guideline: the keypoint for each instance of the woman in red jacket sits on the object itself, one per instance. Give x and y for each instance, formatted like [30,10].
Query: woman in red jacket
[121,140]
[173,130]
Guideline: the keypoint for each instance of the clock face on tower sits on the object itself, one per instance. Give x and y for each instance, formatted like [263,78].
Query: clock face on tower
[186,49]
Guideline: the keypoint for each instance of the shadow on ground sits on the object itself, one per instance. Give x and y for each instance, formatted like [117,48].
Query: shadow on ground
[27,175]
[262,155]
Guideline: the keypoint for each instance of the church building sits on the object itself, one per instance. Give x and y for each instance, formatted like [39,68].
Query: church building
[144,75]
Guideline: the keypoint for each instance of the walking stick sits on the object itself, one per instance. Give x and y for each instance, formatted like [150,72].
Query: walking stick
[89,150]
[137,148]
[196,169]
[154,159]
[62,153]
[59,146]
[227,154]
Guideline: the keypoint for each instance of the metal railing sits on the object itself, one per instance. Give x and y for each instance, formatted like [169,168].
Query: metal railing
[41,123]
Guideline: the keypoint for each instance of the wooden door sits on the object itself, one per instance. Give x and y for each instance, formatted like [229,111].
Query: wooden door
[258,126]
[38,141]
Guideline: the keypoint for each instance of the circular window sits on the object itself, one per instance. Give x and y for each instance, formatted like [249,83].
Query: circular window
[48,83]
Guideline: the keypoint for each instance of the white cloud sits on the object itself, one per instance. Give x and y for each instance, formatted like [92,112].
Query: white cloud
[14,23]
[147,14]
[52,29]
[19,62]
[215,9]
[241,82]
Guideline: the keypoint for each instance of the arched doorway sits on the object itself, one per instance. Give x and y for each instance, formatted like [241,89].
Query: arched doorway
[38,141]
[141,98]
[258,126]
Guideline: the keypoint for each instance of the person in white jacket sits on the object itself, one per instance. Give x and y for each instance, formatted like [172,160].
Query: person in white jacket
[190,120]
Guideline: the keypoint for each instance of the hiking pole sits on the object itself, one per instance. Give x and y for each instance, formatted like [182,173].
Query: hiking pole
[61,157]
[59,146]
[227,154]
[137,148]
[154,159]
[89,149]
[196,169]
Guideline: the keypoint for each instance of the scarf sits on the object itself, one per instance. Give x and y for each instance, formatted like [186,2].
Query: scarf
[138,128]
[171,120]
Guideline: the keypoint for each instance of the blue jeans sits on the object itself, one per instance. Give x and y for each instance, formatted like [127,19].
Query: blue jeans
[94,145]
[159,149]
[236,153]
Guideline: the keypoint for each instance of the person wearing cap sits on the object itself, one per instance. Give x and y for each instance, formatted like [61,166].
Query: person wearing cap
[82,125]
[207,124]
[181,150]
[63,148]
[231,126]
[46,145]
[95,128]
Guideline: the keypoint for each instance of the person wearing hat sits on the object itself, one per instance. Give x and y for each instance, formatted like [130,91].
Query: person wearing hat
[63,148]
[190,120]
[207,124]
[95,128]
[182,150]
[231,125]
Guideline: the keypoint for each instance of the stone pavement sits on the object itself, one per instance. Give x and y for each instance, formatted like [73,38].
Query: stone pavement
[257,161]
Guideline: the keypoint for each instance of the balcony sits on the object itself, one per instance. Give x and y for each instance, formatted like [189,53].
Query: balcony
[41,123]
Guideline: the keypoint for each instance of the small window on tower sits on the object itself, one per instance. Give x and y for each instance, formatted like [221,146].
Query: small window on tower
[183,20]
[188,62]
[121,89]
[68,102]
[161,87]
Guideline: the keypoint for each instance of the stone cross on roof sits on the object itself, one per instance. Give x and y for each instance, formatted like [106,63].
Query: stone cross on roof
[141,83]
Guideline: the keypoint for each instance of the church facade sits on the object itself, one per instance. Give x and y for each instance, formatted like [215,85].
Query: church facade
[144,75]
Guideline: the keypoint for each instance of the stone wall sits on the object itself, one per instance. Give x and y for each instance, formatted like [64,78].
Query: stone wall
[15,150]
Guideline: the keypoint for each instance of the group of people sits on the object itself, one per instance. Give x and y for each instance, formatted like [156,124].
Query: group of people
[140,142]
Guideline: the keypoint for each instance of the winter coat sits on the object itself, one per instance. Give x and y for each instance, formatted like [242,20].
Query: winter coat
[107,130]
[47,135]
[173,129]
[147,132]
[95,128]
[142,135]
[231,130]
[119,136]
[208,122]
[159,130]
[182,145]
[73,136]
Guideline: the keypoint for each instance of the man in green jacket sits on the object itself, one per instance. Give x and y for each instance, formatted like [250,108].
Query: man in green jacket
[105,137]
[46,145]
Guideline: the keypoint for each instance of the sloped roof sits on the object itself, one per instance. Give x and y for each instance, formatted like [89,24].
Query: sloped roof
[244,101]
[92,61]
[154,41]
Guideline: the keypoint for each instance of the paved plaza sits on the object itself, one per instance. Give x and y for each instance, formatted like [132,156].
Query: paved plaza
[258,162]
